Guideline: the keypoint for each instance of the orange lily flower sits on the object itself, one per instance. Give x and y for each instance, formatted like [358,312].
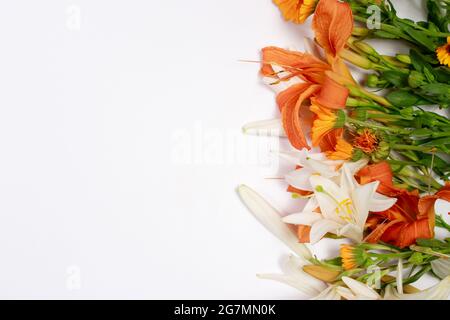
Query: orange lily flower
[333,25]
[411,218]
[296,11]
[296,64]
[312,70]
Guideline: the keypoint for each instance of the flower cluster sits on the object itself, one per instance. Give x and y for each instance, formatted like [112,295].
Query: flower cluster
[370,166]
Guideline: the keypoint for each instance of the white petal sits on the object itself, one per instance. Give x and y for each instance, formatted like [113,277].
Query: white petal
[380,203]
[351,231]
[329,293]
[321,228]
[300,179]
[346,293]
[271,219]
[291,281]
[348,181]
[272,127]
[441,267]
[293,267]
[360,289]
[361,198]
[441,291]
[305,218]
[354,167]
[292,156]
[311,205]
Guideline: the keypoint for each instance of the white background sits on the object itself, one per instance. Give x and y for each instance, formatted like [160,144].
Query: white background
[96,197]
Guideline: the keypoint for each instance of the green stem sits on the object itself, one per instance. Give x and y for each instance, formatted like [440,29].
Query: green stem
[411,147]
[375,126]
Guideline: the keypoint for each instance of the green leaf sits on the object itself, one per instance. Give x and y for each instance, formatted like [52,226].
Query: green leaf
[432,243]
[404,98]
[425,40]
[396,78]
[385,35]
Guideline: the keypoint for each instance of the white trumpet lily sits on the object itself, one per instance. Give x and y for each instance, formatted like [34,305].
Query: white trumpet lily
[344,208]
[314,163]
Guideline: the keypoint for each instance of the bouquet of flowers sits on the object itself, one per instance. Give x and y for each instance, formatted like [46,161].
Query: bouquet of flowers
[370,160]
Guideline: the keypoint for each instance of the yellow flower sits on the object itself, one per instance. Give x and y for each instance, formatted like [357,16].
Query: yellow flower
[296,11]
[443,53]
[352,257]
[343,151]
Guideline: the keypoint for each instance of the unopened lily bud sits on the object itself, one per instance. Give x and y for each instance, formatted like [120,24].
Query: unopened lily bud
[404,58]
[322,273]
[366,48]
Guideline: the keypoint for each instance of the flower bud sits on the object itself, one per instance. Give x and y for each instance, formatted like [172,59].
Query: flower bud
[404,58]
[372,81]
[416,79]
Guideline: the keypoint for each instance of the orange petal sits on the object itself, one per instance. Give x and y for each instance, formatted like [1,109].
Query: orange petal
[379,231]
[303,233]
[333,25]
[290,95]
[298,191]
[330,140]
[377,172]
[292,121]
[303,65]
[332,95]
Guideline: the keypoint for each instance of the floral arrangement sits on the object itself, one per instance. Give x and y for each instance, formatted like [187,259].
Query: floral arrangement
[371,159]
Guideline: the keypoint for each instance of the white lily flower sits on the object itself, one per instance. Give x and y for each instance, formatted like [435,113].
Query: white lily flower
[270,218]
[343,209]
[441,291]
[273,128]
[314,163]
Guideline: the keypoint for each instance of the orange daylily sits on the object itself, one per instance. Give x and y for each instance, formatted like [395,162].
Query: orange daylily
[297,64]
[333,25]
[296,11]
[411,217]
[316,87]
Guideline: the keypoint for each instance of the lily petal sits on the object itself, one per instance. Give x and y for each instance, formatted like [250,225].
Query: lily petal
[321,228]
[299,179]
[271,219]
[291,281]
[380,203]
[351,231]
[441,267]
[272,127]
[361,200]
[304,218]
[361,289]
